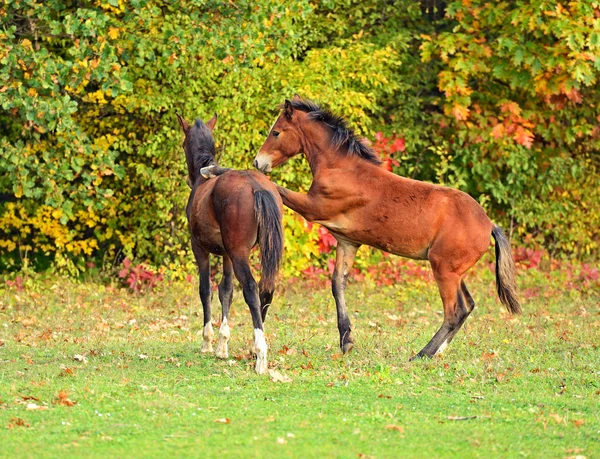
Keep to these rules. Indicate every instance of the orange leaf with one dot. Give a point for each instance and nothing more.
(395, 427)
(223, 420)
(524, 137)
(459, 112)
(498, 131)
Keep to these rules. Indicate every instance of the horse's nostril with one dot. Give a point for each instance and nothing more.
(255, 164)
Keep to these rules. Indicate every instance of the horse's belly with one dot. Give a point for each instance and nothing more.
(388, 236)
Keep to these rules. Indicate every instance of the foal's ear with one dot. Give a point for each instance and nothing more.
(296, 98)
(185, 126)
(288, 109)
(211, 123)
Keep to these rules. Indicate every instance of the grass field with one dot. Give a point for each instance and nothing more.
(90, 370)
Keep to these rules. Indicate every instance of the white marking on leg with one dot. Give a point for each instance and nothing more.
(442, 347)
(207, 336)
(224, 333)
(260, 345)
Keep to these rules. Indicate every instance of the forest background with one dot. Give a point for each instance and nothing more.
(498, 99)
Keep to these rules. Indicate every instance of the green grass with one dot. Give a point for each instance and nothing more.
(528, 386)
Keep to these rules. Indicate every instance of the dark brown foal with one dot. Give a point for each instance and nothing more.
(228, 216)
(362, 203)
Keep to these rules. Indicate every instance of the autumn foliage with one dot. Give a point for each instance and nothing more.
(499, 99)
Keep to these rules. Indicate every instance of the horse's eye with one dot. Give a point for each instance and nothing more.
(275, 133)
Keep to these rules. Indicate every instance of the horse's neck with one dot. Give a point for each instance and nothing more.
(320, 154)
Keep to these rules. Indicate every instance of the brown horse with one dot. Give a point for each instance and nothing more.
(362, 203)
(228, 217)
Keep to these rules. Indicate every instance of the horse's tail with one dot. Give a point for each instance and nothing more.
(505, 272)
(270, 237)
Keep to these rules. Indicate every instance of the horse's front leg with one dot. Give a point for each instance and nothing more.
(213, 171)
(345, 253)
(303, 204)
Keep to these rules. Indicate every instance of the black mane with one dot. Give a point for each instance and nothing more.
(201, 145)
(342, 134)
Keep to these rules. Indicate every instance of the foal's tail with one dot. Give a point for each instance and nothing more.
(270, 237)
(505, 272)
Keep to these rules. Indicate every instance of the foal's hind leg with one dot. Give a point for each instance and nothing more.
(203, 262)
(345, 254)
(458, 304)
(266, 298)
(241, 268)
(225, 296)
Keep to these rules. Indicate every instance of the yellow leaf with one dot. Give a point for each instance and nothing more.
(113, 33)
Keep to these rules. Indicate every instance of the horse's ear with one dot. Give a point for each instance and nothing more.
(288, 109)
(296, 98)
(185, 126)
(211, 123)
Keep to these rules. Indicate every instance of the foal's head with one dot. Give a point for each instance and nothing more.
(199, 146)
(292, 133)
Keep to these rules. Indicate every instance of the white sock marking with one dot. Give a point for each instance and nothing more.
(442, 347)
(224, 333)
(207, 336)
(260, 345)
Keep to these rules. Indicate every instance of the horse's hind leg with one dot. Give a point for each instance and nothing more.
(203, 262)
(266, 298)
(458, 304)
(345, 254)
(241, 268)
(225, 297)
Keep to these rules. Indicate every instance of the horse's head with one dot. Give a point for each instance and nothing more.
(199, 146)
(284, 139)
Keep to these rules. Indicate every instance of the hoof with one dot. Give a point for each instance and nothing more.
(347, 348)
(261, 366)
(206, 348)
(206, 172)
(419, 356)
(222, 351)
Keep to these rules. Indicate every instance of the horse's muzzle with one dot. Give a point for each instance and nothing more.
(262, 163)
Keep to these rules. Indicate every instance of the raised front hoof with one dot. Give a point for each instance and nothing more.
(207, 172)
(347, 347)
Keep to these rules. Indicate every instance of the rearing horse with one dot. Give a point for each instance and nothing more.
(360, 202)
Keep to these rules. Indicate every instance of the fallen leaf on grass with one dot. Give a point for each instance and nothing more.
(556, 417)
(80, 358)
(30, 397)
(395, 427)
(17, 422)
(142, 356)
(65, 371)
(63, 399)
(460, 418)
(34, 407)
(287, 351)
(384, 396)
(578, 422)
(223, 420)
(278, 377)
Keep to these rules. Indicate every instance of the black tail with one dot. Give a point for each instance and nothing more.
(505, 272)
(270, 237)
